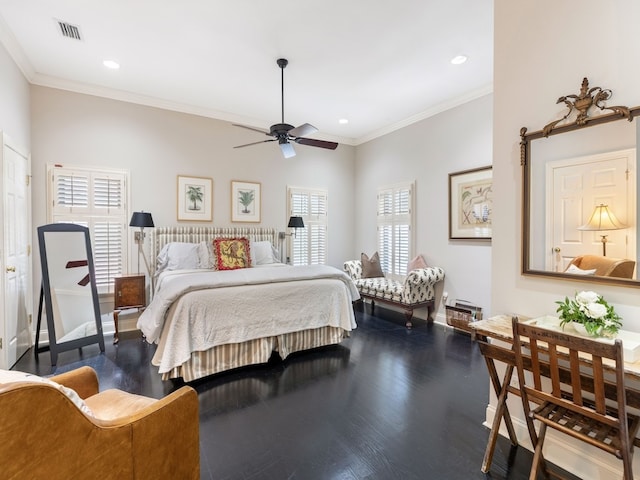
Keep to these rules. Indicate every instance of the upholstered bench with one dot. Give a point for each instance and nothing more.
(417, 289)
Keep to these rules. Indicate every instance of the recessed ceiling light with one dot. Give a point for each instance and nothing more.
(111, 64)
(343, 121)
(459, 59)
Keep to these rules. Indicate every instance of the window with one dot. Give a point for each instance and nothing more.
(309, 245)
(95, 198)
(395, 218)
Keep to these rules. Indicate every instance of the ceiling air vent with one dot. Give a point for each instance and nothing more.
(68, 30)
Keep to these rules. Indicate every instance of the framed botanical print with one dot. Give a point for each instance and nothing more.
(470, 204)
(245, 201)
(195, 199)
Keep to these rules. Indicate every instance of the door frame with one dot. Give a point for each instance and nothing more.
(7, 142)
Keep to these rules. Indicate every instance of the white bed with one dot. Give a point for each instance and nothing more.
(206, 321)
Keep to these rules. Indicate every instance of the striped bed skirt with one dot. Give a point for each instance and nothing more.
(252, 352)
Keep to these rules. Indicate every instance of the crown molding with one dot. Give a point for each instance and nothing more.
(129, 97)
(441, 107)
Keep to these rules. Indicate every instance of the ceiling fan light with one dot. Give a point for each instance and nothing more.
(287, 149)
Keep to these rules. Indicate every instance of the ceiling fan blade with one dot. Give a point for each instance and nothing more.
(254, 143)
(316, 143)
(287, 150)
(251, 128)
(302, 130)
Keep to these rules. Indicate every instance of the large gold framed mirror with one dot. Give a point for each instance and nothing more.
(69, 289)
(579, 187)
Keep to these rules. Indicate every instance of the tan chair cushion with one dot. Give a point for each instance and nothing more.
(114, 404)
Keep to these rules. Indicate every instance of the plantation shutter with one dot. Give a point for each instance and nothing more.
(97, 200)
(72, 190)
(395, 206)
(309, 246)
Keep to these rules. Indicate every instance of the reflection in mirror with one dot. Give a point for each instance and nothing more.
(568, 179)
(69, 289)
(571, 175)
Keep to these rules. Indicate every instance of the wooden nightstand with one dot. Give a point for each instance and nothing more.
(129, 292)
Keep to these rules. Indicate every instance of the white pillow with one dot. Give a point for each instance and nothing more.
(262, 253)
(178, 256)
(13, 376)
(276, 254)
(578, 271)
(206, 258)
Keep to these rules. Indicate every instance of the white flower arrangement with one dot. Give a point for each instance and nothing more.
(591, 310)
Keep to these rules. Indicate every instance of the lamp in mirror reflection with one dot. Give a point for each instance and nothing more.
(602, 219)
(142, 220)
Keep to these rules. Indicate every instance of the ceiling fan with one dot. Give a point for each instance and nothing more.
(284, 133)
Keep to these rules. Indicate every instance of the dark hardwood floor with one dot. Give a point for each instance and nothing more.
(388, 403)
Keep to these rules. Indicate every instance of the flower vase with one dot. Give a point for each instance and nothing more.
(582, 330)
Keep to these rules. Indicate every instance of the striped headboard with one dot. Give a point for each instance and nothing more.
(160, 236)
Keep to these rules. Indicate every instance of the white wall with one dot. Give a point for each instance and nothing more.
(15, 117)
(157, 145)
(529, 45)
(543, 49)
(426, 152)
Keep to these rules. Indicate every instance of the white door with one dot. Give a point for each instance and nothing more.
(16, 255)
(578, 186)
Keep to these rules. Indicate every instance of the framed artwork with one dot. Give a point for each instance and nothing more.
(470, 204)
(195, 199)
(245, 201)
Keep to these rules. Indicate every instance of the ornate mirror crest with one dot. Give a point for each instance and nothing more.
(583, 102)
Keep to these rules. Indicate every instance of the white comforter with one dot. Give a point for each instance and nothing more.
(179, 283)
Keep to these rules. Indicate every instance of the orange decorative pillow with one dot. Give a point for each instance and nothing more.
(232, 253)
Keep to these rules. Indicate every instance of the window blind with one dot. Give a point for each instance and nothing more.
(96, 199)
(394, 219)
(309, 246)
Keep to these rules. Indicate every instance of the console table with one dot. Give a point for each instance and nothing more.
(499, 328)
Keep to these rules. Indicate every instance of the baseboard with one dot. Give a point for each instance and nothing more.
(441, 318)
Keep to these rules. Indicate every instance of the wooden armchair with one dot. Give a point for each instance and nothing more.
(593, 411)
(48, 432)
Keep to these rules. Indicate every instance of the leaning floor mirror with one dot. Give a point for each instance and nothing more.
(68, 289)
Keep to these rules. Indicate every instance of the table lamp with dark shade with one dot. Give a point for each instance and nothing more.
(295, 222)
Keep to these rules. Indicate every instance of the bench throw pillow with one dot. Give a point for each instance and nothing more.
(416, 262)
(371, 266)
